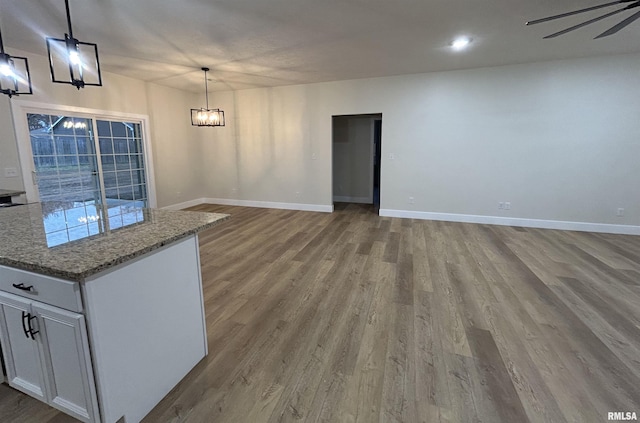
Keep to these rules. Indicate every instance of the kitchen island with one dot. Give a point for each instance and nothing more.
(101, 308)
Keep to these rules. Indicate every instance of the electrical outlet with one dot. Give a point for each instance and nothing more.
(411, 200)
(620, 212)
(392, 156)
(507, 205)
(10, 172)
(501, 205)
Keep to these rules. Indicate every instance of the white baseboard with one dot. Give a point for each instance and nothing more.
(360, 200)
(510, 221)
(447, 217)
(184, 205)
(270, 205)
(248, 203)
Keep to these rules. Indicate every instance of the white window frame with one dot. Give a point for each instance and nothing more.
(20, 109)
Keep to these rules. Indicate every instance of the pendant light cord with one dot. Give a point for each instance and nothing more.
(66, 3)
(206, 87)
(1, 43)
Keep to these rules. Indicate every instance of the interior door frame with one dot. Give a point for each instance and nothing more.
(370, 196)
(20, 109)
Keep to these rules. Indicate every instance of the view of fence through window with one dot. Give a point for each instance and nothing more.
(66, 157)
(122, 160)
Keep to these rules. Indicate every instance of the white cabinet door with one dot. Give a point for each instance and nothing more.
(21, 350)
(67, 362)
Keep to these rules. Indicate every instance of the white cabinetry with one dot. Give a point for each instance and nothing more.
(21, 353)
(67, 362)
(128, 334)
(46, 354)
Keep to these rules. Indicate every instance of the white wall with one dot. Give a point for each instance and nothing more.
(8, 147)
(176, 145)
(220, 155)
(560, 141)
(168, 109)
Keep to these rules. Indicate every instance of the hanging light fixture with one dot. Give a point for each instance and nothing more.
(207, 117)
(78, 58)
(14, 73)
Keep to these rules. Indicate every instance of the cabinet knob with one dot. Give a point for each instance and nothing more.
(22, 287)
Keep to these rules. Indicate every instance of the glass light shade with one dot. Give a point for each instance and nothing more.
(207, 117)
(14, 75)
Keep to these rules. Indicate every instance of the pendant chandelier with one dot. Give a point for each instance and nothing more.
(206, 116)
(78, 59)
(14, 73)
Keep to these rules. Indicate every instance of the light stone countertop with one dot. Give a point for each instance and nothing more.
(74, 241)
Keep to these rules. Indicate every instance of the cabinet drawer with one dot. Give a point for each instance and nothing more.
(48, 290)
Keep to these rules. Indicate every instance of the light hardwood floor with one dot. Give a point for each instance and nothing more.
(350, 317)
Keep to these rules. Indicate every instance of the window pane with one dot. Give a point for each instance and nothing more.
(66, 145)
(139, 192)
(85, 145)
(38, 122)
(137, 161)
(57, 126)
(44, 163)
(122, 163)
(68, 162)
(42, 145)
(112, 193)
(104, 128)
(108, 163)
(106, 147)
(124, 178)
(125, 193)
(81, 127)
(137, 177)
(109, 179)
(85, 160)
(134, 146)
(118, 129)
(120, 146)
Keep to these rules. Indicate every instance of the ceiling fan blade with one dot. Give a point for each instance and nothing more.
(621, 25)
(575, 12)
(580, 25)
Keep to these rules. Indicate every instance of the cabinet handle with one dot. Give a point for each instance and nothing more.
(31, 331)
(26, 321)
(25, 315)
(22, 287)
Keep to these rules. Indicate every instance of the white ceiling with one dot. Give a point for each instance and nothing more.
(261, 43)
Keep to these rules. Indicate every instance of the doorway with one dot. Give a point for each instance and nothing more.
(357, 147)
(84, 159)
(84, 156)
(89, 169)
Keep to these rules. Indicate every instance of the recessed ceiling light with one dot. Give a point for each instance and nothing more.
(460, 43)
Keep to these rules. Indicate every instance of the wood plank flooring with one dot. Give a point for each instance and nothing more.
(351, 317)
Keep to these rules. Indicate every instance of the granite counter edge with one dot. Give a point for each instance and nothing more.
(83, 275)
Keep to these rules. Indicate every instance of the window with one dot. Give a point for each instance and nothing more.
(87, 159)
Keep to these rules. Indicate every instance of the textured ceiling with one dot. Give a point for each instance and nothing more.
(261, 43)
